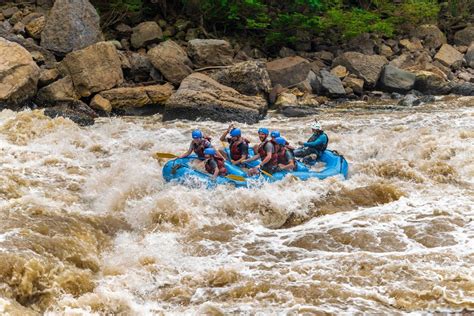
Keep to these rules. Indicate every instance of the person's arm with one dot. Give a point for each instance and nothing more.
(289, 166)
(265, 160)
(190, 150)
(255, 157)
(320, 140)
(216, 172)
(231, 126)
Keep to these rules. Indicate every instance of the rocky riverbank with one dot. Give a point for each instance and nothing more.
(55, 55)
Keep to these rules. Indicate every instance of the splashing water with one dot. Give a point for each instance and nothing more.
(88, 226)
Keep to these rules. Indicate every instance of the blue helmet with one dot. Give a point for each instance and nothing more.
(263, 130)
(235, 132)
(275, 134)
(280, 141)
(209, 151)
(197, 134)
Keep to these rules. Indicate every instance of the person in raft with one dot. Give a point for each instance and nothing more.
(285, 158)
(238, 146)
(315, 146)
(198, 144)
(214, 163)
(265, 152)
(275, 134)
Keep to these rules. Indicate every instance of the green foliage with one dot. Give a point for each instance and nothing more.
(276, 23)
(418, 12)
(355, 22)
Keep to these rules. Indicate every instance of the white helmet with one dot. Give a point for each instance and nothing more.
(316, 125)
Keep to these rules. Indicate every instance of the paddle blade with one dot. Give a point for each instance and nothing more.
(164, 155)
(235, 177)
(266, 173)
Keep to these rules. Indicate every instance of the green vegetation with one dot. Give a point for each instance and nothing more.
(276, 23)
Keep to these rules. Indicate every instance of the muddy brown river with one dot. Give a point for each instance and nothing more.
(89, 227)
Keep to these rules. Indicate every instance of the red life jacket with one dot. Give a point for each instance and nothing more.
(220, 165)
(235, 153)
(282, 156)
(199, 147)
(262, 153)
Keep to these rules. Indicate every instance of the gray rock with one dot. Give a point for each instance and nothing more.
(288, 71)
(448, 55)
(140, 67)
(396, 80)
(71, 25)
(248, 77)
(469, 57)
(146, 33)
(298, 111)
(18, 73)
(330, 85)
(429, 83)
(366, 67)
(75, 110)
(93, 69)
(210, 52)
(464, 37)
(201, 97)
(466, 88)
(171, 60)
(410, 100)
(61, 90)
(431, 36)
(9, 12)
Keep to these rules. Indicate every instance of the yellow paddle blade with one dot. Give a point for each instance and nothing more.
(164, 155)
(235, 177)
(266, 173)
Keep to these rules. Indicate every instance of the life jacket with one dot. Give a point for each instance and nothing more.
(320, 147)
(282, 156)
(220, 165)
(235, 153)
(262, 153)
(199, 147)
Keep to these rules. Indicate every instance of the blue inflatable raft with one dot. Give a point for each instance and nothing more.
(183, 170)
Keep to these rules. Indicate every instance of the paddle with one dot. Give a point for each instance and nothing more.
(164, 155)
(265, 173)
(168, 156)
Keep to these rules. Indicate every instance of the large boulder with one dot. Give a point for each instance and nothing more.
(200, 96)
(75, 110)
(470, 56)
(431, 83)
(171, 60)
(18, 73)
(288, 71)
(330, 85)
(248, 77)
(354, 83)
(71, 25)
(210, 52)
(464, 37)
(146, 33)
(138, 66)
(136, 97)
(431, 35)
(396, 80)
(366, 67)
(465, 88)
(94, 69)
(61, 90)
(448, 55)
